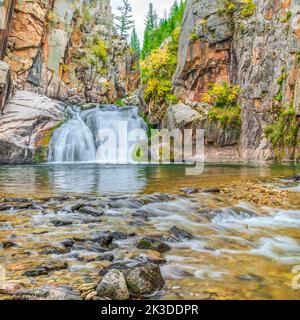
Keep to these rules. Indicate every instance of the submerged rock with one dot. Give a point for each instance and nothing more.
(8, 244)
(189, 190)
(48, 293)
(61, 223)
(91, 210)
(153, 244)
(181, 234)
(44, 269)
(113, 286)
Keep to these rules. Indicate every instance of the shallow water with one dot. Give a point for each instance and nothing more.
(99, 178)
(239, 251)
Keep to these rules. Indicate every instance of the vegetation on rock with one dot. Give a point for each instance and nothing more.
(224, 99)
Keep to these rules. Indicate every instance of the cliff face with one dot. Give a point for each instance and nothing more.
(253, 44)
(68, 50)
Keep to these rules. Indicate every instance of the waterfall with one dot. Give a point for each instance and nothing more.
(96, 135)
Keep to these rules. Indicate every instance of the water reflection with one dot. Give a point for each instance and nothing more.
(96, 178)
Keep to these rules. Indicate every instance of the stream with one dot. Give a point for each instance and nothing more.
(232, 232)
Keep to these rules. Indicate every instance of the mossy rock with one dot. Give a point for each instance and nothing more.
(153, 244)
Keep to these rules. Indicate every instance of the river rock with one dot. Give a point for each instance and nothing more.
(144, 279)
(181, 234)
(46, 268)
(61, 223)
(117, 235)
(113, 286)
(8, 244)
(48, 293)
(148, 243)
(91, 210)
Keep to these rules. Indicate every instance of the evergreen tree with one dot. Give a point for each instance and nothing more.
(150, 25)
(124, 20)
(135, 42)
(156, 33)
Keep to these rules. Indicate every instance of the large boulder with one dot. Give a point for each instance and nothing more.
(26, 126)
(113, 286)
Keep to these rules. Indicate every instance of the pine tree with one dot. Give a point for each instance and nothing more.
(124, 20)
(150, 25)
(135, 42)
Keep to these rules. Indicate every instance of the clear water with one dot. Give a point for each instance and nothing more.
(241, 251)
(100, 178)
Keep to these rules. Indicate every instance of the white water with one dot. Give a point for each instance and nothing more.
(101, 134)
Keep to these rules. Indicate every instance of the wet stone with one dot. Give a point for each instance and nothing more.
(129, 203)
(113, 286)
(61, 223)
(212, 190)
(8, 244)
(6, 207)
(117, 235)
(53, 250)
(156, 197)
(181, 234)
(48, 293)
(91, 211)
(189, 190)
(148, 243)
(68, 243)
(249, 277)
(141, 214)
(46, 268)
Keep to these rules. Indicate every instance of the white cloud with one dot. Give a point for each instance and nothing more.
(140, 8)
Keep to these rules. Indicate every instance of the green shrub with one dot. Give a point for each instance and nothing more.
(283, 131)
(224, 99)
(248, 9)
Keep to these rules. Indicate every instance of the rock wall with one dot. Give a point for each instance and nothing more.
(68, 50)
(258, 49)
(26, 126)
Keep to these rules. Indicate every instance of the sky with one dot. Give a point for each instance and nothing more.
(140, 8)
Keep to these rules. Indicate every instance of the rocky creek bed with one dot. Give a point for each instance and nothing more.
(206, 243)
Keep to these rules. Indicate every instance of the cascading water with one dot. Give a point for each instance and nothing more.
(98, 134)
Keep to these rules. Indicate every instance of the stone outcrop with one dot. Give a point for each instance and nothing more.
(5, 84)
(26, 127)
(69, 50)
(256, 49)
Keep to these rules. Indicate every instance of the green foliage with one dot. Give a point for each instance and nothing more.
(86, 13)
(124, 21)
(287, 17)
(283, 131)
(156, 33)
(120, 103)
(223, 95)
(135, 42)
(157, 71)
(280, 81)
(298, 56)
(99, 49)
(227, 117)
(224, 99)
(248, 9)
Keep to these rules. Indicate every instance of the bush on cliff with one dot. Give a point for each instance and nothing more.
(224, 99)
(157, 71)
(283, 131)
